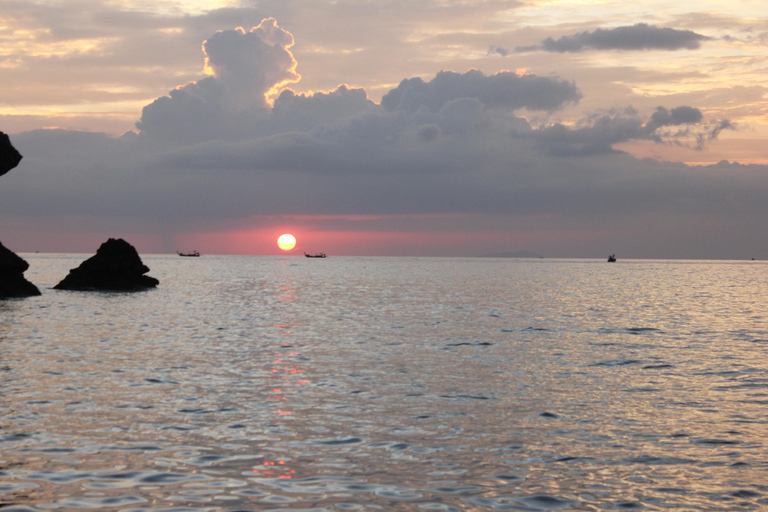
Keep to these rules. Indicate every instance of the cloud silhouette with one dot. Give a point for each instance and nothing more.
(599, 134)
(641, 36)
(498, 50)
(246, 68)
(251, 65)
(502, 90)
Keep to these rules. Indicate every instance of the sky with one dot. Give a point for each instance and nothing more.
(562, 128)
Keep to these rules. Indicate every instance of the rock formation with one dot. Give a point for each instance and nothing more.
(12, 282)
(9, 157)
(12, 267)
(116, 266)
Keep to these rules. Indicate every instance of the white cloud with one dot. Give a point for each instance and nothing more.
(246, 68)
(251, 65)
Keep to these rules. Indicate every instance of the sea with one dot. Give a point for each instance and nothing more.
(266, 383)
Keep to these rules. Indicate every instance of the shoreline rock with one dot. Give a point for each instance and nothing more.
(116, 266)
(13, 284)
(9, 156)
(12, 266)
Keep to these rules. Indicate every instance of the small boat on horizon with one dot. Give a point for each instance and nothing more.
(316, 255)
(193, 254)
(612, 258)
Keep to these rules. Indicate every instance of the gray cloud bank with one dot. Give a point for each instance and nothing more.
(216, 149)
(641, 36)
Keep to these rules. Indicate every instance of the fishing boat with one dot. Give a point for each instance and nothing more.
(316, 255)
(193, 254)
(612, 258)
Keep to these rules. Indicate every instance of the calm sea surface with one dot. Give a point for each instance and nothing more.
(395, 384)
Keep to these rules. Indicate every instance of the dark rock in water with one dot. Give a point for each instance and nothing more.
(116, 266)
(12, 281)
(9, 157)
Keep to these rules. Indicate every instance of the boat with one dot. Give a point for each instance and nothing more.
(316, 255)
(612, 258)
(193, 254)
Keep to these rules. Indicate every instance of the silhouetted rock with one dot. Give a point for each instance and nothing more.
(9, 157)
(12, 266)
(12, 281)
(115, 266)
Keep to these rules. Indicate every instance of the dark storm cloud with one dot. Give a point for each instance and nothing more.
(636, 37)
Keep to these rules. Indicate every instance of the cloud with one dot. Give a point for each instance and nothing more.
(502, 90)
(599, 134)
(214, 152)
(692, 119)
(498, 50)
(251, 65)
(596, 139)
(299, 112)
(674, 117)
(712, 133)
(246, 68)
(636, 37)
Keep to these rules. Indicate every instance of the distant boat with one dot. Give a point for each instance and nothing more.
(612, 258)
(193, 254)
(317, 255)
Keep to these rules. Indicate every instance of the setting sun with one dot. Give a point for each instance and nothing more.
(286, 242)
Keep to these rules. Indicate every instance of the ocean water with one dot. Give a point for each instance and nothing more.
(394, 384)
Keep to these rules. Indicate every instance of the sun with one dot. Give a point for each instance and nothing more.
(286, 242)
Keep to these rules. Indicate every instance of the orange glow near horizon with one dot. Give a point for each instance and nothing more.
(378, 235)
(365, 242)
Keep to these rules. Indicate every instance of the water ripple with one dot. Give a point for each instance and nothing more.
(398, 384)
